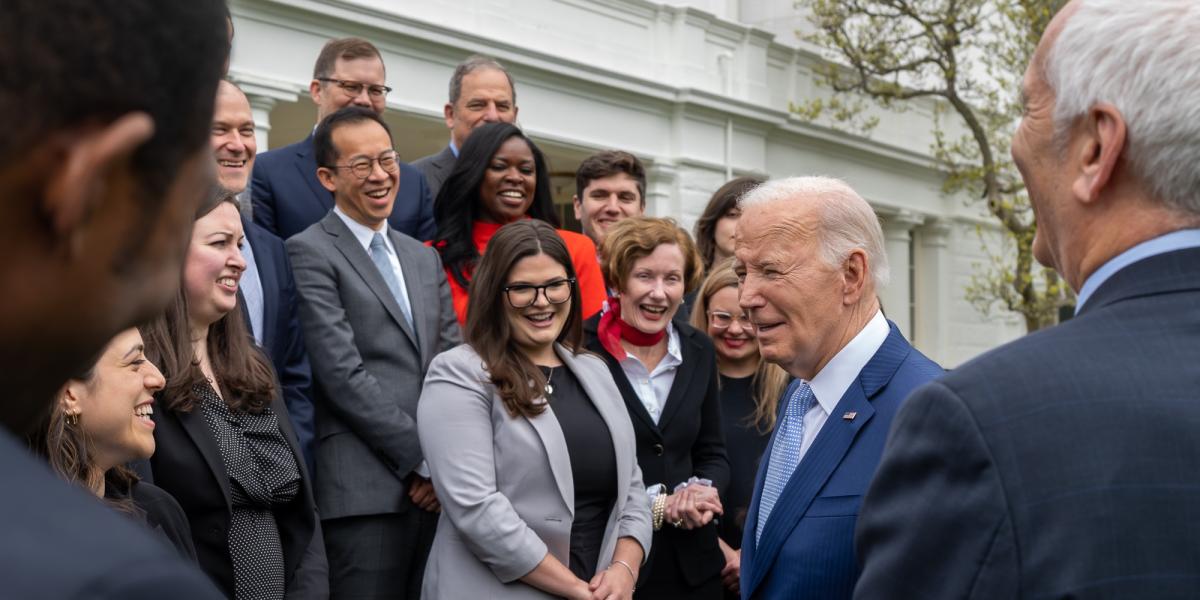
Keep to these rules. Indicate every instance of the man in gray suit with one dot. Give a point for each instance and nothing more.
(481, 91)
(375, 308)
(1064, 464)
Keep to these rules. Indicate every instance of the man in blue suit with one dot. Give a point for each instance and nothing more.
(810, 257)
(267, 291)
(1064, 464)
(286, 194)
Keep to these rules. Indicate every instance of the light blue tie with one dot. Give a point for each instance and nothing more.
(785, 453)
(252, 292)
(380, 258)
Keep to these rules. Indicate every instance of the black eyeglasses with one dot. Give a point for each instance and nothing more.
(719, 319)
(354, 88)
(362, 167)
(522, 294)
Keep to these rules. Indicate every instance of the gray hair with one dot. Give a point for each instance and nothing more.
(1144, 58)
(846, 223)
(475, 63)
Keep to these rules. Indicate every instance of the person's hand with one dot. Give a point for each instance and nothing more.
(693, 506)
(421, 492)
(731, 575)
(613, 583)
(580, 591)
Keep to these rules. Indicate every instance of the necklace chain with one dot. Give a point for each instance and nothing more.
(549, 386)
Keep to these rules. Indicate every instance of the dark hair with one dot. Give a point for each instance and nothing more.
(488, 330)
(75, 64)
(346, 49)
(458, 203)
(324, 151)
(474, 63)
(244, 375)
(609, 163)
(723, 200)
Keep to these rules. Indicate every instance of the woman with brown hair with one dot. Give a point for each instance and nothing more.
(667, 375)
(750, 390)
(528, 445)
(100, 423)
(226, 448)
(714, 228)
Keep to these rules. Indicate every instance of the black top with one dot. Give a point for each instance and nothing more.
(161, 514)
(745, 446)
(593, 467)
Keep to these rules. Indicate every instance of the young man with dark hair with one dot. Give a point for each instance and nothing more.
(610, 186)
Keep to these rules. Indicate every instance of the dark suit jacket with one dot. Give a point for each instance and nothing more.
(368, 364)
(436, 167)
(188, 465)
(282, 338)
(807, 545)
(288, 197)
(1061, 465)
(687, 440)
(163, 516)
(57, 541)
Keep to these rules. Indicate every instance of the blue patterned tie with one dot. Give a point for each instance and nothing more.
(785, 453)
(380, 258)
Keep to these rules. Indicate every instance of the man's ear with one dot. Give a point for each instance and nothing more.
(578, 207)
(325, 176)
(1103, 133)
(854, 276)
(314, 91)
(448, 113)
(90, 157)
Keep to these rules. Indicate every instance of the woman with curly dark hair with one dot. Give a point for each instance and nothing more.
(501, 177)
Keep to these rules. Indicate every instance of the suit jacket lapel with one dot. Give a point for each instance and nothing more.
(197, 429)
(547, 427)
(270, 298)
(306, 165)
(683, 376)
(413, 286)
(346, 243)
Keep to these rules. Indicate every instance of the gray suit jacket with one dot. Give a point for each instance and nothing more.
(366, 362)
(436, 167)
(505, 483)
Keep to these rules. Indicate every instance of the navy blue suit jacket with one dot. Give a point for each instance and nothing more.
(58, 541)
(1065, 464)
(282, 338)
(807, 546)
(288, 197)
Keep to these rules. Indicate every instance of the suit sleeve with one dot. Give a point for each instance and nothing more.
(262, 197)
(295, 375)
(311, 578)
(449, 331)
(455, 417)
(426, 225)
(935, 521)
(709, 459)
(357, 399)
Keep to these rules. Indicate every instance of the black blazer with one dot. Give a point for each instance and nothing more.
(1061, 465)
(187, 464)
(686, 441)
(164, 517)
(283, 340)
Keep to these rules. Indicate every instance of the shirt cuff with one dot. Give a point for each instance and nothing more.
(422, 470)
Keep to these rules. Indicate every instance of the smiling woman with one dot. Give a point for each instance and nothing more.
(501, 177)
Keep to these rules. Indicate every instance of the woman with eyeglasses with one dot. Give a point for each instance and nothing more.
(527, 442)
(667, 374)
(501, 177)
(750, 390)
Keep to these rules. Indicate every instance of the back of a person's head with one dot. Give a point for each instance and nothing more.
(69, 64)
(1143, 58)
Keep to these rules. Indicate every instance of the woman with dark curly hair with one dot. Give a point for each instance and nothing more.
(500, 177)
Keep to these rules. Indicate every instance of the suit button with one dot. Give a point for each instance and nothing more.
(658, 449)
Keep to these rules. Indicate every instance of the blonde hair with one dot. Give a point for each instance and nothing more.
(636, 238)
(769, 379)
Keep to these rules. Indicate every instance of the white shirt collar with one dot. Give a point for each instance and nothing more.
(362, 233)
(835, 378)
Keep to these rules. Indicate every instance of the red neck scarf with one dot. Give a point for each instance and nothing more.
(612, 329)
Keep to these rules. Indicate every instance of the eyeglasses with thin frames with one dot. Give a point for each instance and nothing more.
(719, 319)
(521, 295)
(354, 88)
(362, 167)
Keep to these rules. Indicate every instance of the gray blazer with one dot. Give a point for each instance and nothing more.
(505, 483)
(367, 363)
(436, 167)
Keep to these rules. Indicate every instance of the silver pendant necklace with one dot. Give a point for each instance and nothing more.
(549, 386)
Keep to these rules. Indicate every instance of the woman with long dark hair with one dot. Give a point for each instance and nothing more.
(100, 422)
(714, 228)
(226, 448)
(530, 449)
(500, 177)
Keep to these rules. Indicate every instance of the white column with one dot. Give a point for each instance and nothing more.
(933, 293)
(897, 297)
(263, 93)
(261, 107)
(662, 189)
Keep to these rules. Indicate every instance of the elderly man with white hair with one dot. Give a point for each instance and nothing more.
(1065, 464)
(810, 258)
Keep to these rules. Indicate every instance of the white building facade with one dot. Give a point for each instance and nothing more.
(699, 90)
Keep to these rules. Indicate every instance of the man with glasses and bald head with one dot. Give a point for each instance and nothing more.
(285, 191)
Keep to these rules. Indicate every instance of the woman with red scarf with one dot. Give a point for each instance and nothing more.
(667, 374)
(500, 177)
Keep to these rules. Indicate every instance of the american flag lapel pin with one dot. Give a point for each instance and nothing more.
(849, 416)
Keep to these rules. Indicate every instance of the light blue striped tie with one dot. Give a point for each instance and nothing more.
(785, 453)
(380, 258)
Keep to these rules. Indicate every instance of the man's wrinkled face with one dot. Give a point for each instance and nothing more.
(486, 97)
(359, 82)
(232, 138)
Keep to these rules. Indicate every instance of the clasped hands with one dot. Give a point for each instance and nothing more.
(421, 492)
(614, 583)
(693, 506)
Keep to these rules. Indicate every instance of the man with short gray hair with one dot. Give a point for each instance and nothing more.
(810, 259)
(481, 91)
(1063, 465)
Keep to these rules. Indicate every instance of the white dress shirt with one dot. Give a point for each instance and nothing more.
(836, 377)
(652, 387)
